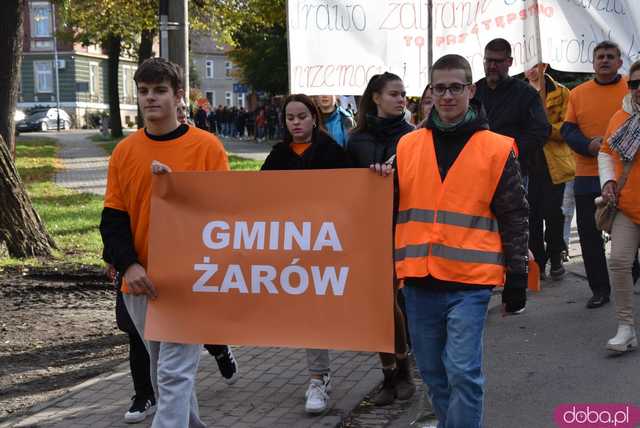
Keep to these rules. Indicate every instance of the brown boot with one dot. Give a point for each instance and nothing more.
(404, 381)
(387, 392)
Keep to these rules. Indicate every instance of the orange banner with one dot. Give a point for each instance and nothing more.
(272, 258)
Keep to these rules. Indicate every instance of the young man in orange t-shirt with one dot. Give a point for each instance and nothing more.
(163, 145)
(591, 106)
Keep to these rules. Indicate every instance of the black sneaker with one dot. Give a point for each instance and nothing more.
(141, 407)
(227, 365)
(557, 272)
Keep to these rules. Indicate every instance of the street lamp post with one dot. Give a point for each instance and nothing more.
(174, 35)
(55, 64)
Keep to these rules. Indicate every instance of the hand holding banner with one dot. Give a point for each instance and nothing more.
(286, 258)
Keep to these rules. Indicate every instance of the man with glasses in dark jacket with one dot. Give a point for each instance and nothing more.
(512, 106)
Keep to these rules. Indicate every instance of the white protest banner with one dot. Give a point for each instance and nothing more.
(337, 45)
(574, 27)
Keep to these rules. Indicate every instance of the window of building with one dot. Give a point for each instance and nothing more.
(209, 69)
(43, 76)
(125, 82)
(211, 97)
(41, 25)
(228, 99)
(227, 68)
(128, 85)
(241, 101)
(93, 78)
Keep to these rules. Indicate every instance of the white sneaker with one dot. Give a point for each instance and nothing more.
(326, 380)
(140, 409)
(318, 398)
(624, 340)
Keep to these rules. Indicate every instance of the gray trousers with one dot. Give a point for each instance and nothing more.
(318, 361)
(173, 373)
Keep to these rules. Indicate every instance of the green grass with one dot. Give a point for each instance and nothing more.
(71, 218)
(237, 163)
(108, 147)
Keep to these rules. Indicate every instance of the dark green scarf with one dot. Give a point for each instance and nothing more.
(469, 116)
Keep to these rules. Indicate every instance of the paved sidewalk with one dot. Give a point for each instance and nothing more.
(269, 393)
(84, 163)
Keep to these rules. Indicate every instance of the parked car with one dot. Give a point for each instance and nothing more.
(44, 120)
(17, 117)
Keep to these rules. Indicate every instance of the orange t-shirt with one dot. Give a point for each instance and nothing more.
(129, 176)
(590, 107)
(299, 148)
(629, 198)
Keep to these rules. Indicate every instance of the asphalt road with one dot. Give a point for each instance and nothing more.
(554, 353)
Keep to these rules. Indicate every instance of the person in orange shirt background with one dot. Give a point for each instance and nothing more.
(591, 106)
(618, 153)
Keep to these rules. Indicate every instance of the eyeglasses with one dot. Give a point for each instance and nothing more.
(633, 84)
(454, 89)
(496, 61)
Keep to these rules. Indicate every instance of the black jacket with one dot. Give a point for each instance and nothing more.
(509, 203)
(515, 109)
(324, 153)
(378, 143)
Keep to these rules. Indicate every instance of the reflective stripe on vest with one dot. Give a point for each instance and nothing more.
(445, 252)
(448, 217)
(446, 228)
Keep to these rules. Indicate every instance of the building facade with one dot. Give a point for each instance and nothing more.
(82, 72)
(217, 78)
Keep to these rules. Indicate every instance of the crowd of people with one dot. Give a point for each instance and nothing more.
(260, 124)
(534, 149)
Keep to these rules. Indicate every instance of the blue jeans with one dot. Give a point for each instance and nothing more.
(446, 332)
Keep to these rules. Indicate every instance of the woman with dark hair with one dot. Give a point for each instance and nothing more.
(381, 123)
(426, 105)
(306, 145)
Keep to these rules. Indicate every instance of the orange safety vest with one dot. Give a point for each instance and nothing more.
(447, 229)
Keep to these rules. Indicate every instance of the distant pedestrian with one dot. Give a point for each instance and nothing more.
(201, 118)
(426, 105)
(554, 166)
(337, 121)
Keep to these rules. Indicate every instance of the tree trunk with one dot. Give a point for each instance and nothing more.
(11, 53)
(21, 229)
(145, 51)
(114, 46)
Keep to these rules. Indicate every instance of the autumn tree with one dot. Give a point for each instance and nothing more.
(22, 232)
(256, 32)
(117, 25)
(11, 49)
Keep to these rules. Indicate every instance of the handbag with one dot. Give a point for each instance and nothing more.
(606, 211)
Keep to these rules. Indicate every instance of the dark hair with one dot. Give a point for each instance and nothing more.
(634, 67)
(366, 105)
(453, 62)
(607, 44)
(499, 45)
(308, 102)
(157, 70)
